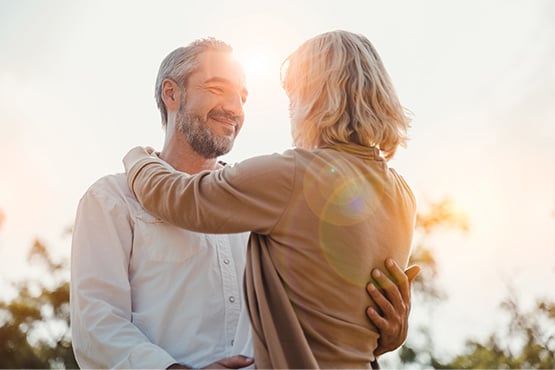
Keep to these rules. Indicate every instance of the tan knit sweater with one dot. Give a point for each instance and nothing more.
(320, 221)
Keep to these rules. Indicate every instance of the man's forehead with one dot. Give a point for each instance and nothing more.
(219, 64)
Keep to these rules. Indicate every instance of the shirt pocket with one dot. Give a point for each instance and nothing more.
(157, 240)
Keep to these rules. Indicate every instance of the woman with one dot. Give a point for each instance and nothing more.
(321, 215)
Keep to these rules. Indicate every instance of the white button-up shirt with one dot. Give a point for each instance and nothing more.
(145, 294)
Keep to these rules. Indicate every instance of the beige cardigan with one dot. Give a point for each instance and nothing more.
(320, 221)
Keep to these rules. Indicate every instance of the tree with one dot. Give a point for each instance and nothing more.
(529, 340)
(34, 326)
(527, 343)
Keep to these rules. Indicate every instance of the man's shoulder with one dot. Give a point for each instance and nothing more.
(112, 186)
(111, 182)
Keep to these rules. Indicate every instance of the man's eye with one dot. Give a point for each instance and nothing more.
(216, 90)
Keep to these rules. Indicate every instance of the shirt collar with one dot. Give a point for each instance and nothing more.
(170, 167)
(356, 149)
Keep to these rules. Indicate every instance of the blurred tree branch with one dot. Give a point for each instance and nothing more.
(34, 326)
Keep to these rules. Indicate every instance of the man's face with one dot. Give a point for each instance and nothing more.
(211, 111)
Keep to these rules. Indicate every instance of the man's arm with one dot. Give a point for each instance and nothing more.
(391, 293)
(103, 334)
(233, 362)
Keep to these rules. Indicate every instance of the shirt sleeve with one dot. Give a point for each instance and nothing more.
(249, 196)
(103, 333)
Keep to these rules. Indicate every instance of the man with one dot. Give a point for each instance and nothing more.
(145, 294)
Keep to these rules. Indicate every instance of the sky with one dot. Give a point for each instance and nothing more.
(76, 93)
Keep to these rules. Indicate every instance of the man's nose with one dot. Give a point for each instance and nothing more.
(233, 104)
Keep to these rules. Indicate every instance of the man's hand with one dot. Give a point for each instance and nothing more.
(233, 362)
(391, 294)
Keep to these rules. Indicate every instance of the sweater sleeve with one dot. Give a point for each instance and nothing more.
(249, 196)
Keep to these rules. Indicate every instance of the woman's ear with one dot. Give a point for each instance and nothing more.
(171, 95)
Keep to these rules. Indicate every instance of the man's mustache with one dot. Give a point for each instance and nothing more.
(215, 114)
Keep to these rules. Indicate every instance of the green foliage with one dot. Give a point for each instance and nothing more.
(527, 343)
(34, 331)
(529, 340)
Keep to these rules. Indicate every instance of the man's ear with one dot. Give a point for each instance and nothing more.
(171, 95)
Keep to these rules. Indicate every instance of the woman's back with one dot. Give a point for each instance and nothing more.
(306, 280)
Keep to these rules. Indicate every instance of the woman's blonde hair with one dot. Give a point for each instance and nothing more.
(340, 92)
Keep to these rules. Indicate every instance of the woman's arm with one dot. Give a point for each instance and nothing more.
(249, 196)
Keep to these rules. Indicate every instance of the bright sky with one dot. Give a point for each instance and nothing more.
(76, 92)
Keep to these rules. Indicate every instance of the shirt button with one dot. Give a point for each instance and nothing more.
(232, 299)
(226, 261)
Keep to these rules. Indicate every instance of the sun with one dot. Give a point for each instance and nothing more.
(254, 64)
(260, 64)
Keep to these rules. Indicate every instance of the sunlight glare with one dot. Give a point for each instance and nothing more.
(260, 65)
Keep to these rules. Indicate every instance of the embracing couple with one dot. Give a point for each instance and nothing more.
(289, 260)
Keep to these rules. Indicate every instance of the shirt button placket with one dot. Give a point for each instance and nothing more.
(230, 290)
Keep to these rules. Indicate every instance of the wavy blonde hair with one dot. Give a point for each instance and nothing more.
(340, 92)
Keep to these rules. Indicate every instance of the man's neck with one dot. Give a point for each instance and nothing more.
(183, 158)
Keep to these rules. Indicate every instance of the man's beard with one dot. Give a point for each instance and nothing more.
(198, 135)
